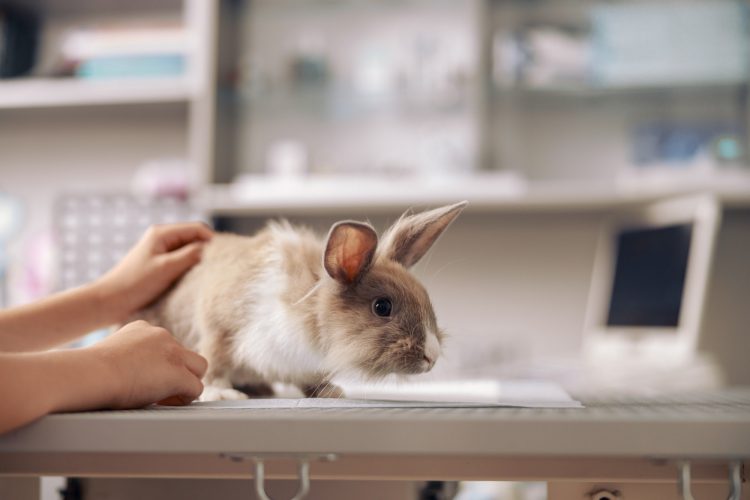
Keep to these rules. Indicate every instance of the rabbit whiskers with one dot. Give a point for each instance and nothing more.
(309, 293)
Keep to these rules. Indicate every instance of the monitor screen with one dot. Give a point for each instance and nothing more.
(650, 269)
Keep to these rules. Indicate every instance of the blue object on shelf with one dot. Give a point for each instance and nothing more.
(135, 66)
(679, 144)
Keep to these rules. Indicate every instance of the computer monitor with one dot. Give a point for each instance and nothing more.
(649, 281)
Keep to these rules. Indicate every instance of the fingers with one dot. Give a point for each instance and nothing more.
(174, 401)
(190, 373)
(179, 261)
(195, 389)
(191, 390)
(196, 363)
(149, 364)
(169, 237)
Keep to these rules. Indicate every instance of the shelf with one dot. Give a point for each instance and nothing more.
(335, 102)
(584, 91)
(68, 7)
(261, 196)
(40, 93)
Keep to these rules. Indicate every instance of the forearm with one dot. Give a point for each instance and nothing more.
(163, 255)
(55, 320)
(34, 384)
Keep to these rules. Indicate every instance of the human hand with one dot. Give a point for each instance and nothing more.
(135, 366)
(163, 254)
(147, 365)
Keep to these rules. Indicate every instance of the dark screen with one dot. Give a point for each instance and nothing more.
(649, 276)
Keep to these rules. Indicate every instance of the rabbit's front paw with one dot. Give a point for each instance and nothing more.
(212, 393)
(257, 390)
(323, 390)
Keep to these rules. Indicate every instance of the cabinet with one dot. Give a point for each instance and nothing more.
(514, 105)
(626, 90)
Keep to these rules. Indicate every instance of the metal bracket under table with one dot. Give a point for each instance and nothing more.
(303, 469)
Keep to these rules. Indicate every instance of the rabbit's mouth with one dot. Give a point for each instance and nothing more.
(428, 355)
(427, 363)
(413, 367)
(409, 363)
(414, 363)
(405, 356)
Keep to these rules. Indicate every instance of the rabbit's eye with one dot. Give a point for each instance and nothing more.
(382, 307)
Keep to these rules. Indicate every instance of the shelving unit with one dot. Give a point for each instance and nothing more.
(203, 91)
(562, 180)
(214, 88)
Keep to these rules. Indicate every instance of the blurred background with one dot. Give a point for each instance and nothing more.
(548, 116)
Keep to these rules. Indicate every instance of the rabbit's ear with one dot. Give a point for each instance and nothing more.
(412, 235)
(349, 251)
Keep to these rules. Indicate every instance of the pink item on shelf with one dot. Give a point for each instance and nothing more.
(40, 271)
(162, 178)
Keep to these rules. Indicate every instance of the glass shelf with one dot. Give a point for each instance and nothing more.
(340, 103)
(583, 91)
(500, 192)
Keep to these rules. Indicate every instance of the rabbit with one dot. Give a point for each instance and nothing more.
(285, 306)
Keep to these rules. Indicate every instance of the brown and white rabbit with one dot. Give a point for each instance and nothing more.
(285, 306)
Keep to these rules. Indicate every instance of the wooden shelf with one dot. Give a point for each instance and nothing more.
(67, 92)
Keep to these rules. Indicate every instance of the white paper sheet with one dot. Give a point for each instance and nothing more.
(532, 394)
(453, 394)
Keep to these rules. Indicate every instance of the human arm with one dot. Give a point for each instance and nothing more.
(137, 365)
(161, 256)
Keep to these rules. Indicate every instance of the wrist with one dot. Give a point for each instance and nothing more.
(109, 306)
(87, 381)
(108, 383)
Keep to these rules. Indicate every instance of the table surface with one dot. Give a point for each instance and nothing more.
(702, 425)
(628, 442)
